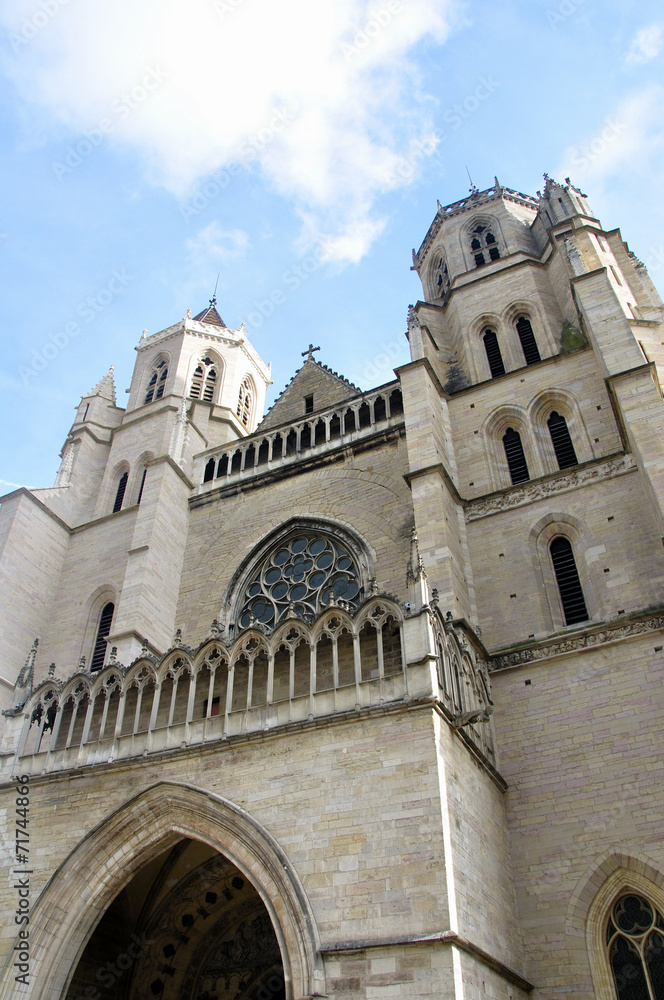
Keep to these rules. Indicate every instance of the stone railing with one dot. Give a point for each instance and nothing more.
(309, 436)
(344, 662)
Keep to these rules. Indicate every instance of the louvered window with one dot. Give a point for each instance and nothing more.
(516, 459)
(119, 496)
(244, 402)
(493, 354)
(204, 380)
(210, 384)
(483, 240)
(528, 342)
(196, 383)
(151, 384)
(161, 384)
(562, 442)
(140, 492)
(157, 382)
(99, 652)
(569, 584)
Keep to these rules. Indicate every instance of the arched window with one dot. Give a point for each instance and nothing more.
(567, 578)
(119, 496)
(635, 949)
(140, 489)
(208, 474)
(528, 343)
(99, 651)
(205, 379)
(516, 460)
(303, 574)
(441, 277)
(483, 245)
(244, 402)
(494, 357)
(562, 442)
(157, 382)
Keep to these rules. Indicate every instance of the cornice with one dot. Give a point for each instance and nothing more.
(472, 203)
(580, 641)
(24, 491)
(573, 479)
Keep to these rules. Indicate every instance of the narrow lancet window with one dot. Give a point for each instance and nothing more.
(244, 402)
(516, 460)
(99, 652)
(569, 584)
(157, 382)
(531, 352)
(140, 491)
(119, 496)
(494, 357)
(562, 442)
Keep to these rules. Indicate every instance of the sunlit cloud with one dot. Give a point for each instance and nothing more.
(317, 96)
(646, 45)
(214, 245)
(630, 140)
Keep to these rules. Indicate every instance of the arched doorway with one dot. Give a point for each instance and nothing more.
(189, 926)
(129, 842)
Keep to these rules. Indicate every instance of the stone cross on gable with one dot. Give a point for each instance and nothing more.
(310, 352)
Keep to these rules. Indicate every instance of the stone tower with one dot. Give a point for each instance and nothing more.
(363, 697)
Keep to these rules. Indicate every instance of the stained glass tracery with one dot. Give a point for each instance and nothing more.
(306, 572)
(635, 939)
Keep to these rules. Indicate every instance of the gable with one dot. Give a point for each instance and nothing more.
(312, 379)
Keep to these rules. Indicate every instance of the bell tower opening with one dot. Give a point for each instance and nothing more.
(188, 925)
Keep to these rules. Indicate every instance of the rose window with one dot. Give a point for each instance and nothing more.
(307, 572)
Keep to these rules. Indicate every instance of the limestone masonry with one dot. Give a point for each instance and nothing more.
(362, 697)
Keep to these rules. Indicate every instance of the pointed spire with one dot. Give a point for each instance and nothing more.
(210, 315)
(416, 577)
(25, 679)
(106, 387)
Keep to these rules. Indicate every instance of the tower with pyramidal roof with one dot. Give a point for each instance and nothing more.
(361, 697)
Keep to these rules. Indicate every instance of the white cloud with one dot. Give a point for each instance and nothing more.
(645, 46)
(214, 245)
(629, 141)
(316, 94)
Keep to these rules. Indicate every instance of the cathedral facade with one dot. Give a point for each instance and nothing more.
(362, 697)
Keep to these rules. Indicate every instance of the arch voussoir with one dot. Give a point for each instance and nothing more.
(79, 892)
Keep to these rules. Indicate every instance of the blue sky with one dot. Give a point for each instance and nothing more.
(295, 148)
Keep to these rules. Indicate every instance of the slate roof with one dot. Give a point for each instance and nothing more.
(211, 316)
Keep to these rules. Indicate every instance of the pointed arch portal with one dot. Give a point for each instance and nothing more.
(179, 893)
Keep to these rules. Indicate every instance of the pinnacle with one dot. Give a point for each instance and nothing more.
(105, 387)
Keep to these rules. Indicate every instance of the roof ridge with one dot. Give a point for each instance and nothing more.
(320, 364)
